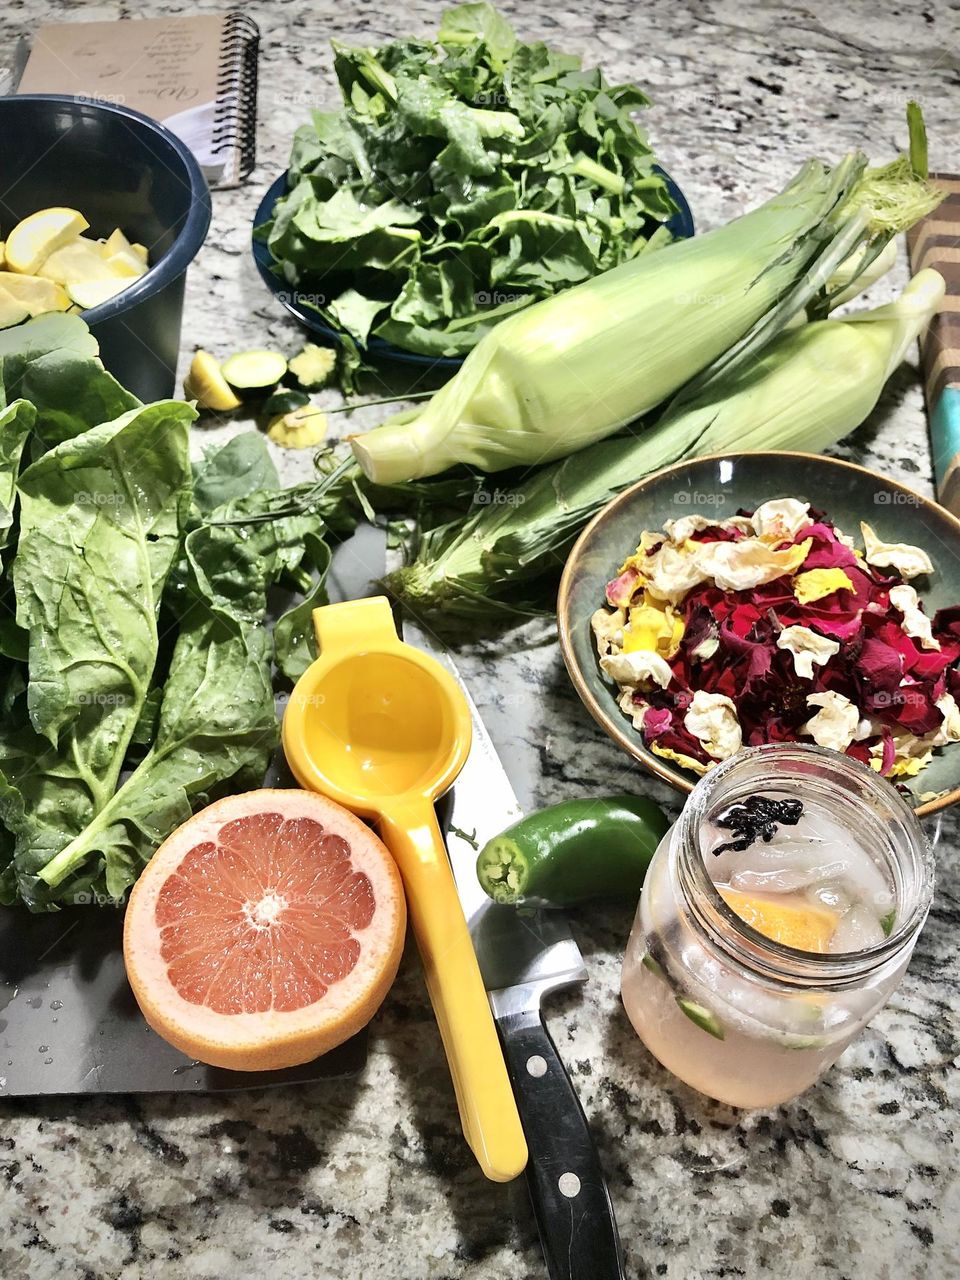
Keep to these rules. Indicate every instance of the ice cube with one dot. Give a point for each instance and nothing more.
(829, 894)
(858, 929)
(818, 851)
(802, 870)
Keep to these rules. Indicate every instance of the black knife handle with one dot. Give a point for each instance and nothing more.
(574, 1214)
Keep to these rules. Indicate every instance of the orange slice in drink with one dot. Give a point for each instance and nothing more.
(793, 923)
(265, 931)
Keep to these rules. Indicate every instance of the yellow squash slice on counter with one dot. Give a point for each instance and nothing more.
(302, 428)
(33, 239)
(207, 385)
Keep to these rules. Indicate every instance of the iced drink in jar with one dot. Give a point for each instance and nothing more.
(777, 916)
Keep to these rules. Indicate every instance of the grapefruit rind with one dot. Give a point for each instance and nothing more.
(273, 1039)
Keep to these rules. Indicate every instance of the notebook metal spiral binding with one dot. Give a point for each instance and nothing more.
(235, 120)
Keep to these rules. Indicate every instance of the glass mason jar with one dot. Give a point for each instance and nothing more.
(742, 1018)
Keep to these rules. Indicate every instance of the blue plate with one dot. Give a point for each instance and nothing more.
(681, 225)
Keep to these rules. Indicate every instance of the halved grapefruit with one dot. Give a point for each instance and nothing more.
(265, 931)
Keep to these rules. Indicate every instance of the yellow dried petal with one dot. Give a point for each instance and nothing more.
(678, 757)
(817, 583)
(653, 626)
(908, 768)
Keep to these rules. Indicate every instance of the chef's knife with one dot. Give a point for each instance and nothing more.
(523, 957)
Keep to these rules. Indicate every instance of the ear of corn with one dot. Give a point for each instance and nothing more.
(808, 389)
(576, 367)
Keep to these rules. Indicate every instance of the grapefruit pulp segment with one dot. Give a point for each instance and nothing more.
(265, 930)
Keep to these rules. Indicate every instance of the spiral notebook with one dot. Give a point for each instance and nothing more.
(196, 74)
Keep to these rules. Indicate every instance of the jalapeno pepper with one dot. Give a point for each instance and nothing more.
(576, 850)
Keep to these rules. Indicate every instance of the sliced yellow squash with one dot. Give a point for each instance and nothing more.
(116, 242)
(32, 241)
(80, 260)
(141, 251)
(2, 258)
(125, 263)
(207, 385)
(302, 428)
(313, 366)
(34, 292)
(90, 293)
(12, 310)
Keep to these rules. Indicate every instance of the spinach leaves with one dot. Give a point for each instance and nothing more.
(136, 677)
(463, 179)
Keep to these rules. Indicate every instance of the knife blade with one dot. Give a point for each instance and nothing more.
(523, 957)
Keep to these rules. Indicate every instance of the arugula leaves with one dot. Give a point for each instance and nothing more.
(463, 178)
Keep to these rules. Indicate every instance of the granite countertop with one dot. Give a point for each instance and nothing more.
(369, 1177)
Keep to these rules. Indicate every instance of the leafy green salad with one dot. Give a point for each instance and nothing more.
(463, 179)
(136, 655)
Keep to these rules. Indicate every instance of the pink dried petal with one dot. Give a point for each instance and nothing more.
(656, 720)
(620, 590)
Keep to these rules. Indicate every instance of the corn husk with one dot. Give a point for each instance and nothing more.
(809, 389)
(577, 367)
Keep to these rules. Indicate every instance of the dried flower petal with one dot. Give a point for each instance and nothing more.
(908, 561)
(814, 584)
(638, 668)
(713, 719)
(807, 648)
(781, 519)
(835, 724)
(620, 590)
(915, 622)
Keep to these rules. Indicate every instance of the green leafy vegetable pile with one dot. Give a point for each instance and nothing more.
(136, 658)
(463, 179)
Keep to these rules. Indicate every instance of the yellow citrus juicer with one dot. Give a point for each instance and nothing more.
(383, 729)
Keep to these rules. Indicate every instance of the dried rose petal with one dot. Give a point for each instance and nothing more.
(620, 590)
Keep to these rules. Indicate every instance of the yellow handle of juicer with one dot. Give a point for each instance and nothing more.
(488, 1111)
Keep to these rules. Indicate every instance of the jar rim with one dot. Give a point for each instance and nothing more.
(755, 950)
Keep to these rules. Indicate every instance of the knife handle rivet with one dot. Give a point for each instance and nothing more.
(537, 1067)
(569, 1185)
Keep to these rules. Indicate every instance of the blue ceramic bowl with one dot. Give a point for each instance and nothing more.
(681, 225)
(119, 169)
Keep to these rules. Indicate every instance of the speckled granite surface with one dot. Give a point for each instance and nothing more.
(368, 1178)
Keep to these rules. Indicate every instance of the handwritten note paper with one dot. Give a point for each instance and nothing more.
(160, 66)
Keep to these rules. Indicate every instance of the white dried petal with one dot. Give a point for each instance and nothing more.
(607, 627)
(712, 719)
(781, 519)
(949, 731)
(836, 722)
(640, 667)
(908, 561)
(915, 622)
(807, 648)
